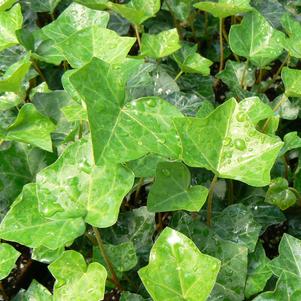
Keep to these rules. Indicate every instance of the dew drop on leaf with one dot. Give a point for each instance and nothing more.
(151, 103)
(166, 172)
(240, 144)
(241, 116)
(227, 141)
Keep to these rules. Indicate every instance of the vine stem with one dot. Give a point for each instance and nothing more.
(37, 68)
(137, 35)
(243, 81)
(179, 75)
(221, 44)
(210, 198)
(278, 105)
(106, 258)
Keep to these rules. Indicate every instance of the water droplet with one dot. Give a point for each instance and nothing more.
(227, 141)
(252, 133)
(241, 116)
(140, 142)
(240, 144)
(151, 103)
(166, 172)
(250, 149)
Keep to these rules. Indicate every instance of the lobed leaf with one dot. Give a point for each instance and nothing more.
(8, 257)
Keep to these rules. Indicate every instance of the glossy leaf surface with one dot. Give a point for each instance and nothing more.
(8, 257)
(177, 270)
(72, 275)
(291, 79)
(172, 190)
(225, 141)
(256, 40)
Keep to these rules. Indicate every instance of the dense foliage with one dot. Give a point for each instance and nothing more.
(149, 149)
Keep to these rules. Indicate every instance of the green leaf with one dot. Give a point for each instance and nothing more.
(6, 4)
(136, 11)
(231, 278)
(287, 289)
(136, 226)
(72, 275)
(291, 79)
(225, 141)
(289, 259)
(236, 223)
(31, 127)
(161, 44)
(12, 79)
(36, 292)
(180, 9)
(127, 296)
(258, 272)
(293, 29)
(94, 4)
(291, 141)
(9, 100)
(44, 5)
(128, 131)
(172, 190)
(190, 61)
(23, 219)
(10, 22)
(177, 270)
(256, 109)
(74, 18)
(114, 50)
(224, 8)
(234, 73)
(70, 188)
(75, 112)
(46, 255)
(288, 110)
(279, 194)
(8, 257)
(262, 46)
(122, 256)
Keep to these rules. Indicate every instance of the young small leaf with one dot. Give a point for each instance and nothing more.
(161, 44)
(72, 275)
(279, 194)
(178, 270)
(8, 257)
(255, 39)
(172, 190)
(291, 79)
(136, 11)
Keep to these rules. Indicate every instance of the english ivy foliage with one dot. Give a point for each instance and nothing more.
(151, 149)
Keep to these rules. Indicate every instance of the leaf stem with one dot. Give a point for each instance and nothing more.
(139, 186)
(37, 68)
(209, 200)
(137, 35)
(179, 75)
(221, 45)
(106, 258)
(243, 82)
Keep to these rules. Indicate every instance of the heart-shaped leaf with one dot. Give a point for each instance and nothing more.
(190, 61)
(172, 190)
(8, 257)
(161, 44)
(24, 217)
(128, 131)
(225, 141)
(36, 292)
(291, 79)
(10, 22)
(177, 269)
(72, 275)
(136, 11)
(279, 194)
(31, 127)
(69, 188)
(255, 39)
(224, 8)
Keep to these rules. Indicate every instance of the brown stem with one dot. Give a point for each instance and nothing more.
(209, 200)
(37, 68)
(221, 45)
(139, 186)
(106, 259)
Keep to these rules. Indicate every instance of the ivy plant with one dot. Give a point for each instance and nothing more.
(150, 150)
